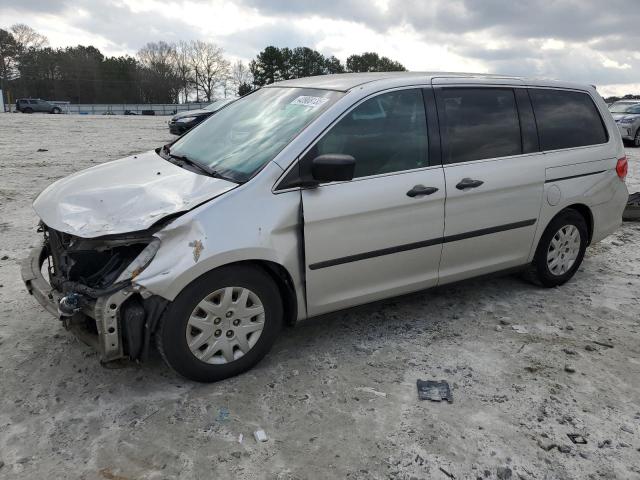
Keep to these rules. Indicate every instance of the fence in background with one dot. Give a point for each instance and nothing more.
(121, 108)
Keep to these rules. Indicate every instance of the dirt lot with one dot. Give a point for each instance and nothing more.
(337, 396)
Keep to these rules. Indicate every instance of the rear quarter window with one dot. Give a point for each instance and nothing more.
(566, 119)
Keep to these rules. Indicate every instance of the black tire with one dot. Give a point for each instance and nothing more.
(636, 139)
(171, 335)
(56, 110)
(539, 271)
(27, 110)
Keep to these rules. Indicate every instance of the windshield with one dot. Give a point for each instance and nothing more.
(212, 107)
(241, 138)
(625, 107)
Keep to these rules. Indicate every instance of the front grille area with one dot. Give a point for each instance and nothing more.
(95, 263)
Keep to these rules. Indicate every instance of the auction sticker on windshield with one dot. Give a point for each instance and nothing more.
(308, 101)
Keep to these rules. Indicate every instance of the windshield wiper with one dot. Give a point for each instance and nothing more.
(203, 168)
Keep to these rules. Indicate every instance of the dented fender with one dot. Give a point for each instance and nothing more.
(248, 223)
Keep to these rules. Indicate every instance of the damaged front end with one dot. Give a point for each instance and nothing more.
(88, 284)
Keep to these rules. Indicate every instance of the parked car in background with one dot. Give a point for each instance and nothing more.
(317, 194)
(627, 116)
(183, 121)
(32, 105)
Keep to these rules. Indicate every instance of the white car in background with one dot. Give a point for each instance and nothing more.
(626, 114)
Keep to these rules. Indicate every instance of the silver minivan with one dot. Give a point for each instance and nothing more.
(313, 195)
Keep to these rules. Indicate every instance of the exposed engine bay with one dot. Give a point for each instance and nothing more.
(90, 283)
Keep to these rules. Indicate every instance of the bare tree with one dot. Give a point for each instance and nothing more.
(240, 75)
(26, 37)
(161, 83)
(183, 66)
(210, 68)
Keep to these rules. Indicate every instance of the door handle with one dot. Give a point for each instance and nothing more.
(420, 190)
(468, 183)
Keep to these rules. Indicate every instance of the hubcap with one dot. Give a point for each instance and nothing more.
(563, 250)
(225, 325)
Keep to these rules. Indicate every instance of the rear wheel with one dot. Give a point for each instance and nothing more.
(27, 110)
(222, 324)
(561, 250)
(636, 139)
(56, 110)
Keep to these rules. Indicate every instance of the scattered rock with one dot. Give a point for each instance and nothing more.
(590, 348)
(568, 351)
(504, 322)
(569, 368)
(42, 150)
(623, 445)
(604, 443)
(519, 328)
(504, 473)
(5, 257)
(564, 448)
(1, 464)
(546, 444)
(498, 328)
(236, 454)
(626, 428)
(569, 327)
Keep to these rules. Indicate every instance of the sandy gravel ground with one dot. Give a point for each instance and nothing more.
(337, 396)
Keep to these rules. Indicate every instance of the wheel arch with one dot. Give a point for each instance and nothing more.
(586, 213)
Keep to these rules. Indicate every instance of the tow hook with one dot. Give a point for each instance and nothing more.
(69, 304)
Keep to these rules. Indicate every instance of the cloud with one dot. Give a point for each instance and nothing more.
(579, 40)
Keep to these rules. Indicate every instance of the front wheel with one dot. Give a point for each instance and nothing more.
(561, 250)
(56, 110)
(222, 324)
(636, 139)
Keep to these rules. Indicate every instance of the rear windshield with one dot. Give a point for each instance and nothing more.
(566, 119)
(244, 136)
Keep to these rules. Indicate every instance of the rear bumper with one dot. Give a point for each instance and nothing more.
(103, 311)
(626, 131)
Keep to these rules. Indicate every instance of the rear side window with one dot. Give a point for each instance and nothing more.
(478, 123)
(566, 119)
(387, 133)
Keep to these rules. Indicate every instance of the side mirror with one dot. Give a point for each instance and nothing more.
(333, 167)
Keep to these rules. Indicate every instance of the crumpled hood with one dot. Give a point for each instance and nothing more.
(123, 196)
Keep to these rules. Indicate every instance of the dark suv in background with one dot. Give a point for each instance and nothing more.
(183, 121)
(31, 105)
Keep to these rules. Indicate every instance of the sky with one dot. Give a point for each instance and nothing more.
(587, 41)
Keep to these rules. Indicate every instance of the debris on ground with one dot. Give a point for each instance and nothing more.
(260, 436)
(603, 344)
(632, 210)
(577, 439)
(570, 368)
(42, 150)
(520, 328)
(371, 390)
(448, 474)
(504, 473)
(240, 437)
(434, 391)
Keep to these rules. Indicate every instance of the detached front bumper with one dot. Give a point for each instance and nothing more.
(106, 311)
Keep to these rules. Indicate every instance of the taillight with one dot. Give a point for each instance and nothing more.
(622, 167)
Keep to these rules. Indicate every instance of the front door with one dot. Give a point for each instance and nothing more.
(380, 234)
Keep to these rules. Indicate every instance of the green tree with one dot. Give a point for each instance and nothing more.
(372, 62)
(244, 89)
(269, 66)
(333, 65)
